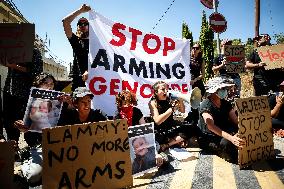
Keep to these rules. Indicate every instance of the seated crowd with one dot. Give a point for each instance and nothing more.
(212, 130)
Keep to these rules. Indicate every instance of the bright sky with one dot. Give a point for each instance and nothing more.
(144, 14)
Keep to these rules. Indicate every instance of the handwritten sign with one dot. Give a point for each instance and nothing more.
(94, 155)
(16, 42)
(235, 56)
(256, 129)
(273, 56)
(6, 164)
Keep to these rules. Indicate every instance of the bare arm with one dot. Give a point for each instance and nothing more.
(218, 67)
(251, 65)
(277, 107)
(215, 129)
(158, 118)
(142, 121)
(69, 18)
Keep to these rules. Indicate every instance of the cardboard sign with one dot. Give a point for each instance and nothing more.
(142, 148)
(235, 56)
(273, 56)
(256, 129)
(94, 155)
(16, 43)
(6, 164)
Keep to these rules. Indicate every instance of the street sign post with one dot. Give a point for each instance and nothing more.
(217, 22)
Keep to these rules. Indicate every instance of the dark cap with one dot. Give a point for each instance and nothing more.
(82, 20)
(81, 92)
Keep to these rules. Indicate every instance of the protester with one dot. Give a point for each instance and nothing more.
(82, 112)
(197, 71)
(17, 90)
(126, 102)
(197, 68)
(218, 120)
(161, 110)
(31, 167)
(277, 109)
(219, 66)
(80, 46)
(144, 155)
(260, 82)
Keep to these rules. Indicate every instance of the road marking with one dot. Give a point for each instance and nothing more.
(223, 175)
(266, 177)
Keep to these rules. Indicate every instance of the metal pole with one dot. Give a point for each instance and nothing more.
(215, 5)
(257, 16)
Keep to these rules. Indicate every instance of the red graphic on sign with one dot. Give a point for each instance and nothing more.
(207, 3)
(217, 22)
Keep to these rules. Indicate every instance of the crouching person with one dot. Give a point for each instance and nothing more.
(218, 121)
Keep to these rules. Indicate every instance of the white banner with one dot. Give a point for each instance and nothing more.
(123, 57)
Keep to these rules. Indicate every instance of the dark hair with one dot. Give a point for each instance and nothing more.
(41, 78)
(156, 88)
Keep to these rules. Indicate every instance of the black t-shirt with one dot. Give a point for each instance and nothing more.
(67, 117)
(71, 117)
(218, 61)
(272, 104)
(195, 66)
(169, 123)
(255, 59)
(220, 115)
(80, 52)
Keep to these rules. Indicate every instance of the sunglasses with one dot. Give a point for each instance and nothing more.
(83, 24)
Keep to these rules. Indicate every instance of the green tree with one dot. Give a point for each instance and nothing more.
(206, 42)
(187, 34)
(279, 38)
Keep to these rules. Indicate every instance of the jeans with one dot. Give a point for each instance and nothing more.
(32, 168)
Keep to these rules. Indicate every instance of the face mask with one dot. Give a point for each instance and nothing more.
(222, 93)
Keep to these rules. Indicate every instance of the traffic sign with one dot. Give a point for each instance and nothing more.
(208, 3)
(217, 22)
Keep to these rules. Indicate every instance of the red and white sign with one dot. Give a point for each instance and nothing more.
(122, 57)
(208, 3)
(217, 22)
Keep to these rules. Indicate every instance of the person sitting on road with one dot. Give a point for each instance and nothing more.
(161, 110)
(276, 103)
(218, 120)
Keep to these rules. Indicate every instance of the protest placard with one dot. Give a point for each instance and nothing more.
(123, 57)
(256, 129)
(16, 42)
(94, 155)
(142, 148)
(273, 56)
(7, 164)
(235, 57)
(43, 109)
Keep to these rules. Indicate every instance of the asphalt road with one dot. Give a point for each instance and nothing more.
(210, 171)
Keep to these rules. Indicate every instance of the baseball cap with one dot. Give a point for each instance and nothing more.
(81, 92)
(82, 20)
(217, 83)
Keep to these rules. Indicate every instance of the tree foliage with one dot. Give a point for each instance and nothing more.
(206, 42)
(187, 34)
(279, 38)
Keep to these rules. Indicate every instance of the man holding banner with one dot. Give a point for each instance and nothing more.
(80, 46)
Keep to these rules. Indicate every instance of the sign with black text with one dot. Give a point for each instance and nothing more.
(43, 109)
(255, 128)
(94, 155)
(235, 57)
